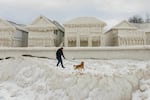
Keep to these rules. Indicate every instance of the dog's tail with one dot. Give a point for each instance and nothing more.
(74, 66)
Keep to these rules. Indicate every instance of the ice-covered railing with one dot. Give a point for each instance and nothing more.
(137, 38)
(126, 52)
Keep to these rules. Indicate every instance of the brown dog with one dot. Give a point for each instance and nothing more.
(79, 67)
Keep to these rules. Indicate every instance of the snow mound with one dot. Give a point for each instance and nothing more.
(26, 78)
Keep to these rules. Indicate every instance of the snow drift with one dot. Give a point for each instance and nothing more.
(26, 78)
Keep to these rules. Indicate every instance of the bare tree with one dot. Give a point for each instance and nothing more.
(136, 19)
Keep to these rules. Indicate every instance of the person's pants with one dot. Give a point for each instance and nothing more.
(60, 61)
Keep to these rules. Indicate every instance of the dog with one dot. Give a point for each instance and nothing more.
(79, 67)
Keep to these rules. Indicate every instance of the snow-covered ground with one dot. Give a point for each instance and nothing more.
(27, 78)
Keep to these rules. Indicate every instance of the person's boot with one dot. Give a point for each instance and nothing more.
(63, 67)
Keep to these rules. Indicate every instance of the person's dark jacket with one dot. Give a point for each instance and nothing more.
(59, 53)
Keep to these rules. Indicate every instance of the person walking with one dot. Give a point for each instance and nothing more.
(60, 53)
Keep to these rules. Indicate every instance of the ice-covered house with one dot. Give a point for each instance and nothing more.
(45, 33)
(146, 28)
(84, 32)
(124, 34)
(12, 34)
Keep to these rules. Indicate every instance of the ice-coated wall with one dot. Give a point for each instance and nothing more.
(135, 52)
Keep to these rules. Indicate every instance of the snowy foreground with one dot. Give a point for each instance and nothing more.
(27, 78)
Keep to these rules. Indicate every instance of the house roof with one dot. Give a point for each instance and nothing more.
(18, 26)
(5, 25)
(9, 25)
(124, 25)
(43, 21)
(84, 21)
(142, 26)
(58, 25)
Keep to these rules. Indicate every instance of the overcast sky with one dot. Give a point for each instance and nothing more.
(109, 11)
